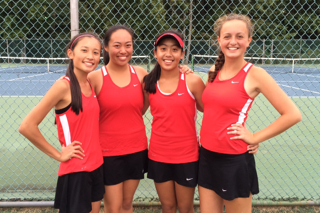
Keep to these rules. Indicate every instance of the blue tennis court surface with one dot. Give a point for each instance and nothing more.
(303, 82)
(36, 80)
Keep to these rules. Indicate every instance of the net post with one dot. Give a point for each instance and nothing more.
(192, 65)
(263, 50)
(48, 64)
(8, 51)
(272, 48)
(292, 66)
(74, 17)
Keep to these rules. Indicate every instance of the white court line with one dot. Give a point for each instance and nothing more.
(304, 96)
(308, 75)
(300, 89)
(301, 81)
(14, 79)
(30, 80)
(21, 96)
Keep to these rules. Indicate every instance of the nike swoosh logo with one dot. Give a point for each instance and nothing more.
(135, 85)
(94, 96)
(180, 93)
(224, 190)
(234, 82)
(189, 179)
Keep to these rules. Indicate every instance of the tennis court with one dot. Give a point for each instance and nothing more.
(287, 164)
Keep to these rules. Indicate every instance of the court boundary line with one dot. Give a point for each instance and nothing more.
(304, 96)
(308, 75)
(16, 79)
(299, 88)
(21, 96)
(300, 81)
(33, 81)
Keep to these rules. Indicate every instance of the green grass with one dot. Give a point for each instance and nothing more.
(288, 165)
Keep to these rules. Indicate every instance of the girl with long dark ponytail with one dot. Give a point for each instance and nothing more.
(122, 132)
(77, 116)
(76, 97)
(151, 79)
(173, 148)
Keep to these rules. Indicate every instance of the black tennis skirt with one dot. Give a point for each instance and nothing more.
(185, 174)
(117, 169)
(76, 191)
(230, 176)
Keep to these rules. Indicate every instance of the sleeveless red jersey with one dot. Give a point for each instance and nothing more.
(225, 103)
(174, 135)
(122, 129)
(84, 128)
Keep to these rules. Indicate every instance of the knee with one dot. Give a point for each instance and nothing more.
(169, 207)
(186, 208)
(112, 209)
(127, 205)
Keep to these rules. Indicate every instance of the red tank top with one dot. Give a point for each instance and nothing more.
(85, 129)
(122, 129)
(174, 135)
(225, 103)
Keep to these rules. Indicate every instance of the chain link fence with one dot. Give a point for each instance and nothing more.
(286, 43)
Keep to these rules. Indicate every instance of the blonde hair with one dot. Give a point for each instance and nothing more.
(217, 28)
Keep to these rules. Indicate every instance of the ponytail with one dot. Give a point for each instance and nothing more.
(217, 66)
(76, 97)
(151, 79)
(106, 57)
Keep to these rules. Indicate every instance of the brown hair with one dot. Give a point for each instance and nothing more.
(217, 28)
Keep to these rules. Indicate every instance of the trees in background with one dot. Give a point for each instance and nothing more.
(274, 19)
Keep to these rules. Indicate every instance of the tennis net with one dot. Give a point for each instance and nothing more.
(44, 65)
(202, 63)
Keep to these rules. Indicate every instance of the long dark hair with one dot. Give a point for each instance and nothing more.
(107, 37)
(151, 79)
(217, 28)
(76, 97)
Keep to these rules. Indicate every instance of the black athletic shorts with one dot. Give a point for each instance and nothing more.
(125, 167)
(185, 174)
(76, 191)
(230, 176)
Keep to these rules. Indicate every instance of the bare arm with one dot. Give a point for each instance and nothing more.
(196, 87)
(56, 95)
(141, 74)
(260, 81)
(96, 80)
